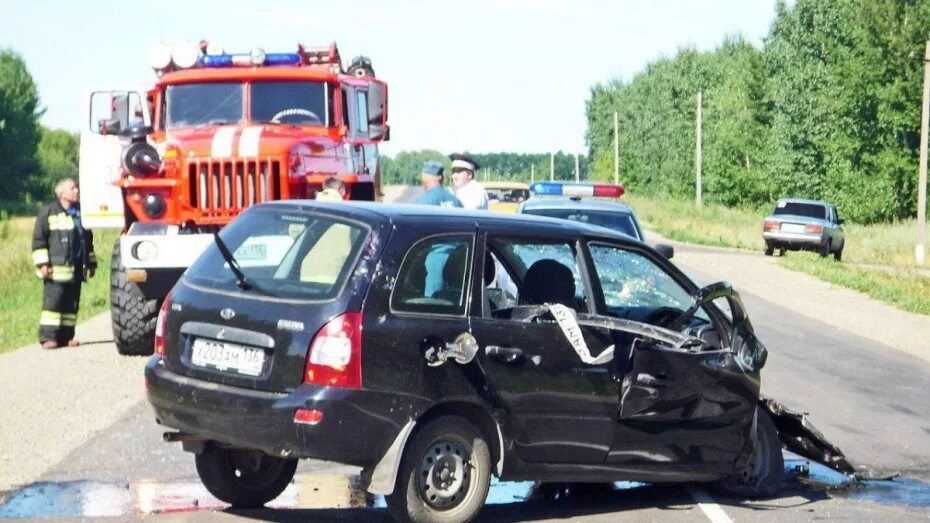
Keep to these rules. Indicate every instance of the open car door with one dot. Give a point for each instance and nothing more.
(108, 112)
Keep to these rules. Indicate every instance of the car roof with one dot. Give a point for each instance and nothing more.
(505, 185)
(804, 200)
(436, 219)
(592, 204)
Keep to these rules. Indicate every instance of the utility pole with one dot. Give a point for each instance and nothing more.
(922, 177)
(577, 170)
(551, 167)
(532, 173)
(697, 161)
(616, 149)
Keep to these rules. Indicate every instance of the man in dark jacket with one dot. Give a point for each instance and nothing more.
(63, 253)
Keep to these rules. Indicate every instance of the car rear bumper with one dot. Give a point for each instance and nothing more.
(788, 239)
(357, 426)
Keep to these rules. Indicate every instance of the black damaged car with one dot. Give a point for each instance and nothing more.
(435, 348)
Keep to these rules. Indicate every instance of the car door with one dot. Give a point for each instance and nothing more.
(557, 408)
(676, 407)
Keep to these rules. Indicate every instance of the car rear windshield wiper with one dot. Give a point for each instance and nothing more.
(233, 264)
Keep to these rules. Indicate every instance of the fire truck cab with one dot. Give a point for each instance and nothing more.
(172, 163)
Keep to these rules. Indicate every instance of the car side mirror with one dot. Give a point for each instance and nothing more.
(750, 353)
(840, 221)
(665, 250)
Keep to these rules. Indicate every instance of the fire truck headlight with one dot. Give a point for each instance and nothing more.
(144, 251)
(185, 54)
(154, 205)
(257, 56)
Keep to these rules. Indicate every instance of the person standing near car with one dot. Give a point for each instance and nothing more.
(63, 253)
(436, 193)
(467, 189)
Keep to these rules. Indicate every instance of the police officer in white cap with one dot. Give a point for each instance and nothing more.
(467, 189)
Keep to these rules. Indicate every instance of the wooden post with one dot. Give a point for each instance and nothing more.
(697, 160)
(532, 173)
(922, 176)
(616, 149)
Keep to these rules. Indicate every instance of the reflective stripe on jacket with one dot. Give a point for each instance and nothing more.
(52, 245)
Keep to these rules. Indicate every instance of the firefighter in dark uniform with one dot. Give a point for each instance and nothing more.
(63, 253)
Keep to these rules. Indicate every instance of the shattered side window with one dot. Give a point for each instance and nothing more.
(556, 277)
(433, 278)
(632, 281)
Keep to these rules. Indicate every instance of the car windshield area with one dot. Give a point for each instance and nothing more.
(507, 195)
(621, 222)
(194, 105)
(810, 210)
(293, 255)
(637, 288)
(295, 103)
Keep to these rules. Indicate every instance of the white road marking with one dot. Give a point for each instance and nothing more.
(707, 505)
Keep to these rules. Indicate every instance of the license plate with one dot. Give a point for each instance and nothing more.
(792, 227)
(227, 357)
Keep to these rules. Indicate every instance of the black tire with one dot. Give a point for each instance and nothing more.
(825, 250)
(447, 457)
(760, 475)
(838, 254)
(781, 252)
(133, 317)
(243, 478)
(769, 250)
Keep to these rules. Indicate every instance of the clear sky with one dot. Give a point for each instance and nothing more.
(478, 75)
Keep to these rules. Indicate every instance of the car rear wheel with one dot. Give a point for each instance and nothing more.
(825, 250)
(838, 254)
(760, 475)
(444, 474)
(781, 252)
(243, 478)
(769, 250)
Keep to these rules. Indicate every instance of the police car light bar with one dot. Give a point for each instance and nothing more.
(256, 57)
(604, 190)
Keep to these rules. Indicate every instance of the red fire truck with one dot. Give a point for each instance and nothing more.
(171, 163)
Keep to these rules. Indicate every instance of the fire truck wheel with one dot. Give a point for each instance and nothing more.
(133, 317)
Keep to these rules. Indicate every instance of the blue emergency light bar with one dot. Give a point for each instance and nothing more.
(246, 60)
(605, 190)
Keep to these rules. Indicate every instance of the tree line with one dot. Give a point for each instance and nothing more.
(32, 157)
(829, 108)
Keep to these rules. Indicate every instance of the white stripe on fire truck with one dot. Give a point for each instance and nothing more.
(222, 146)
(248, 141)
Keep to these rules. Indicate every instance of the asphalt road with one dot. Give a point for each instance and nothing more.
(864, 396)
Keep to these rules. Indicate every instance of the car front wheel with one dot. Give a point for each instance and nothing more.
(761, 474)
(769, 250)
(444, 475)
(243, 478)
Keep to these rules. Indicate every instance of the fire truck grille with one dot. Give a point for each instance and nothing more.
(231, 185)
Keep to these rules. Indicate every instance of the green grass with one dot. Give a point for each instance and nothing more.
(906, 289)
(21, 290)
(878, 260)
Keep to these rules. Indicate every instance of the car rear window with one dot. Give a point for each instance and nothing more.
(811, 210)
(617, 221)
(284, 254)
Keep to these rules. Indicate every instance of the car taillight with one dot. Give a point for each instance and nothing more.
(335, 355)
(771, 225)
(813, 228)
(160, 326)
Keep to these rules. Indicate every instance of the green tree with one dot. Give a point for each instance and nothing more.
(57, 157)
(19, 128)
